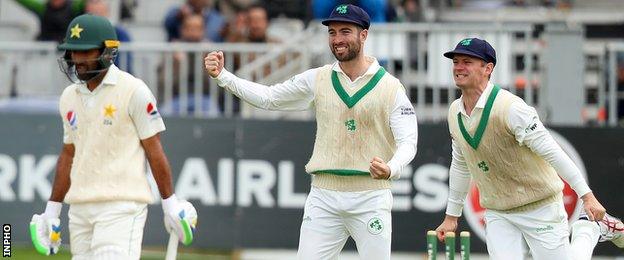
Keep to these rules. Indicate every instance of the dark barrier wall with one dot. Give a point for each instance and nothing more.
(247, 179)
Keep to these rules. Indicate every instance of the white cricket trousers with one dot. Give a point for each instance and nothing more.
(330, 217)
(106, 230)
(544, 229)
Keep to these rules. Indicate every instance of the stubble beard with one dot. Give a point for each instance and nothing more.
(352, 52)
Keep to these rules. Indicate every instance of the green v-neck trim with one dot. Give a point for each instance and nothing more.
(485, 117)
(350, 101)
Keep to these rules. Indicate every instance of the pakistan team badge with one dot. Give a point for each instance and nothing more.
(75, 31)
(375, 226)
(350, 124)
(483, 166)
(109, 114)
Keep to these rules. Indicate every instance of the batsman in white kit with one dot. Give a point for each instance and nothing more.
(499, 142)
(111, 126)
(366, 133)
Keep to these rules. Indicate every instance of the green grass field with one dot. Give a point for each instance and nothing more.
(28, 253)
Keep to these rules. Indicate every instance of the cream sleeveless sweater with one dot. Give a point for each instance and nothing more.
(109, 161)
(510, 177)
(352, 128)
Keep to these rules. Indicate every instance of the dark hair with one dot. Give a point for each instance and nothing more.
(256, 5)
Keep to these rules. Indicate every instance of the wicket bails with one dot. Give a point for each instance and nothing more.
(449, 248)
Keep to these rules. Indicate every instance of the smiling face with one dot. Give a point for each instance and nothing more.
(346, 40)
(470, 72)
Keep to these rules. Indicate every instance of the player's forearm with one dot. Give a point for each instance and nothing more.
(253, 93)
(459, 183)
(163, 179)
(404, 126)
(404, 154)
(549, 150)
(570, 173)
(529, 130)
(284, 96)
(159, 164)
(162, 174)
(62, 180)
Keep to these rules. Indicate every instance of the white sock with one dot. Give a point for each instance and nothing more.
(585, 236)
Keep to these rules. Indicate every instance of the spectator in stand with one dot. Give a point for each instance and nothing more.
(255, 31)
(191, 31)
(377, 9)
(409, 11)
(250, 25)
(258, 21)
(213, 20)
(126, 11)
(54, 16)
(236, 30)
(102, 8)
(519, 3)
(563, 4)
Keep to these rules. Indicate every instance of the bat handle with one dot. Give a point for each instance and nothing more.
(172, 247)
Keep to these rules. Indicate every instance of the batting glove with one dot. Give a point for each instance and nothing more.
(45, 229)
(180, 218)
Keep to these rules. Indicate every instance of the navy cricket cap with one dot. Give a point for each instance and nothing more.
(349, 13)
(474, 47)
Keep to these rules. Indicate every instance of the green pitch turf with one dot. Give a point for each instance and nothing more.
(28, 253)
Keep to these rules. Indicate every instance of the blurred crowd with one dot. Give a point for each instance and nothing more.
(244, 20)
(194, 21)
(247, 21)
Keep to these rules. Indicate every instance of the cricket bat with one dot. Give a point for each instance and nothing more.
(172, 247)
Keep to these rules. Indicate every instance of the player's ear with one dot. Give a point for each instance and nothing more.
(489, 68)
(363, 34)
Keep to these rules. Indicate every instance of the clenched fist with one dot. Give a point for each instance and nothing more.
(214, 63)
(379, 169)
(448, 225)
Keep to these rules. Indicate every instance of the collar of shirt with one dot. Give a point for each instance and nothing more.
(480, 102)
(110, 79)
(372, 69)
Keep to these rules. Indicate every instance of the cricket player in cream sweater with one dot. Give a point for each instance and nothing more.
(111, 125)
(499, 142)
(366, 134)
